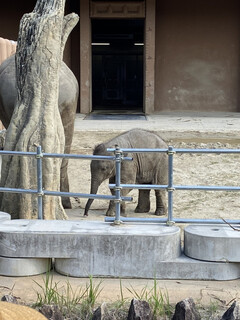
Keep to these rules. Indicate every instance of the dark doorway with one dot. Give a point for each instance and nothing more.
(117, 65)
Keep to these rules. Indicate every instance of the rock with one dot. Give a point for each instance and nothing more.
(186, 310)
(139, 310)
(51, 312)
(9, 298)
(233, 313)
(100, 312)
(12, 311)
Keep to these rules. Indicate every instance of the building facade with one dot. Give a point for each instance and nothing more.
(151, 55)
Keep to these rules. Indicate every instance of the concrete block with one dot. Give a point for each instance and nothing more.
(183, 268)
(4, 216)
(212, 243)
(92, 241)
(22, 267)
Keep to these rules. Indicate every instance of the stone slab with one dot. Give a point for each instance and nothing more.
(182, 268)
(22, 267)
(93, 241)
(212, 243)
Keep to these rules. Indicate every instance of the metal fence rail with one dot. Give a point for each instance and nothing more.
(171, 187)
(117, 198)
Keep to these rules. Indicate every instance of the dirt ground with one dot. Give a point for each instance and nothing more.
(189, 169)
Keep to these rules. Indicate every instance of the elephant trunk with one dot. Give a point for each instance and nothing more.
(94, 189)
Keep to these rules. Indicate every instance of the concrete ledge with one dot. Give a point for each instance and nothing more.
(4, 216)
(182, 268)
(97, 243)
(21, 267)
(212, 243)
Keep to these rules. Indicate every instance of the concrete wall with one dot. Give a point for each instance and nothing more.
(197, 55)
(196, 58)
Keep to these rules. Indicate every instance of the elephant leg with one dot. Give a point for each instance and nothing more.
(64, 184)
(161, 202)
(111, 211)
(68, 117)
(143, 201)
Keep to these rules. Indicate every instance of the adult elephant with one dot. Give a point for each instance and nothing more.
(67, 101)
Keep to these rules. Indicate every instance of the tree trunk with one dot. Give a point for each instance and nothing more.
(36, 119)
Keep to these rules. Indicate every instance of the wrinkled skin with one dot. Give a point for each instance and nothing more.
(146, 168)
(67, 101)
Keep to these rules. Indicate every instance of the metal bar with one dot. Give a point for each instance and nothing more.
(207, 188)
(176, 220)
(175, 187)
(39, 157)
(138, 150)
(140, 186)
(82, 156)
(78, 156)
(118, 156)
(17, 153)
(83, 195)
(170, 185)
(14, 190)
(218, 151)
(181, 150)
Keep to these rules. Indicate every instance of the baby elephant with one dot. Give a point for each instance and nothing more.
(146, 168)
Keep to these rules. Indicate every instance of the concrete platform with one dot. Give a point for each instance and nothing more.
(212, 243)
(133, 243)
(83, 248)
(182, 268)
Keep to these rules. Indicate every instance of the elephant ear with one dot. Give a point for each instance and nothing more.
(99, 149)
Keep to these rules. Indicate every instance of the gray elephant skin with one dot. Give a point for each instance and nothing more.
(67, 101)
(145, 168)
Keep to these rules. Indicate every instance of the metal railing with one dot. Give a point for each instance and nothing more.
(117, 198)
(170, 220)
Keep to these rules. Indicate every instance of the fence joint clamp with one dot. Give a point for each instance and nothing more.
(171, 189)
(171, 152)
(170, 223)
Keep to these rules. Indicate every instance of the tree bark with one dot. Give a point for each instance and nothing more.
(36, 119)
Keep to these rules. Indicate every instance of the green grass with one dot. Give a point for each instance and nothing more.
(80, 303)
(157, 299)
(70, 302)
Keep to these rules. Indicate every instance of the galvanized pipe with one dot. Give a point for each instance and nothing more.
(39, 157)
(170, 188)
(175, 220)
(118, 199)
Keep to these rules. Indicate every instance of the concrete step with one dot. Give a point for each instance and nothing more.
(183, 268)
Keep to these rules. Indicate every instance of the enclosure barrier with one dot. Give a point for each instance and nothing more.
(118, 157)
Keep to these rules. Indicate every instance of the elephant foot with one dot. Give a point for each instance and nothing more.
(141, 210)
(110, 213)
(66, 203)
(160, 212)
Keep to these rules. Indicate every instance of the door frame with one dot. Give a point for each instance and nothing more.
(86, 53)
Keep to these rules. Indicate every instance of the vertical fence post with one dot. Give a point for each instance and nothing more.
(170, 188)
(118, 158)
(39, 157)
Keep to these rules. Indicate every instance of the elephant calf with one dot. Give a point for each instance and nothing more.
(146, 168)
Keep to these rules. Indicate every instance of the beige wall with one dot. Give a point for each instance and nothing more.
(197, 55)
(197, 52)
